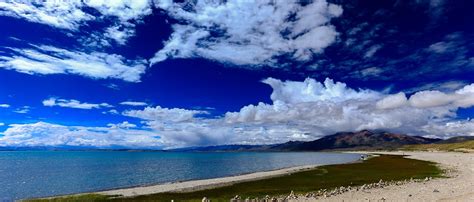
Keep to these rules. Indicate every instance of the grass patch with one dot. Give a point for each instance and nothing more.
(72, 198)
(459, 146)
(385, 167)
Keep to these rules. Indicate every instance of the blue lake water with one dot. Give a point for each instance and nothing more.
(43, 173)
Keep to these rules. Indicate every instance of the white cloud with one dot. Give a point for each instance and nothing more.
(430, 99)
(124, 124)
(371, 72)
(72, 14)
(112, 111)
(371, 51)
(52, 60)
(392, 101)
(2, 124)
(446, 86)
(22, 110)
(317, 109)
(61, 14)
(134, 103)
(248, 33)
(47, 134)
(164, 114)
(463, 97)
(4, 105)
(119, 34)
(450, 128)
(300, 110)
(439, 47)
(52, 102)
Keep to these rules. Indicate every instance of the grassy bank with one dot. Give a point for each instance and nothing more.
(466, 146)
(385, 167)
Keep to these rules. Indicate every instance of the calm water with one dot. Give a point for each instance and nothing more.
(40, 174)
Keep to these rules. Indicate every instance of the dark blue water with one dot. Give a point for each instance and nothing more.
(39, 174)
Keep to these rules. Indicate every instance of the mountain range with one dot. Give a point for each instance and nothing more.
(361, 140)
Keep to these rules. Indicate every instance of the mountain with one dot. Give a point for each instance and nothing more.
(356, 140)
(361, 140)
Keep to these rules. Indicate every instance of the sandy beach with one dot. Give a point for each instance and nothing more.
(458, 187)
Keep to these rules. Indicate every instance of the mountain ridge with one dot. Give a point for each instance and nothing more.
(361, 140)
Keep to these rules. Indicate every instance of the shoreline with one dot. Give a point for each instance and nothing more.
(193, 184)
(457, 185)
(202, 184)
(196, 185)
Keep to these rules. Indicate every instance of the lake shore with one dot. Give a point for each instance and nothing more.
(459, 186)
(195, 185)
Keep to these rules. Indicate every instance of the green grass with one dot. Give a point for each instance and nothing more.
(385, 167)
(73, 198)
(460, 146)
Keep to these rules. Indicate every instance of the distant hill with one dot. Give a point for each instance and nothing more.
(362, 140)
(464, 146)
(457, 139)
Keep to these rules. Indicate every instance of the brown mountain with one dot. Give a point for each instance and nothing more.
(364, 139)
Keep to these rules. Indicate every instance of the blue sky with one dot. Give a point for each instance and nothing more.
(162, 74)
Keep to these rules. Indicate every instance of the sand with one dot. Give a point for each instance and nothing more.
(458, 187)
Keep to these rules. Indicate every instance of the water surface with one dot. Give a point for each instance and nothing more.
(28, 174)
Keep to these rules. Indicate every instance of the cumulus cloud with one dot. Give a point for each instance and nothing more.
(134, 103)
(310, 91)
(2, 124)
(463, 97)
(300, 110)
(52, 60)
(318, 109)
(216, 30)
(4, 105)
(392, 101)
(53, 102)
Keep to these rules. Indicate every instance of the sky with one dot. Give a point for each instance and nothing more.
(164, 74)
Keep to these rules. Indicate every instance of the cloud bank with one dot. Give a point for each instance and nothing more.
(300, 110)
(47, 134)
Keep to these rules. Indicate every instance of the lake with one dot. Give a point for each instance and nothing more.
(28, 174)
